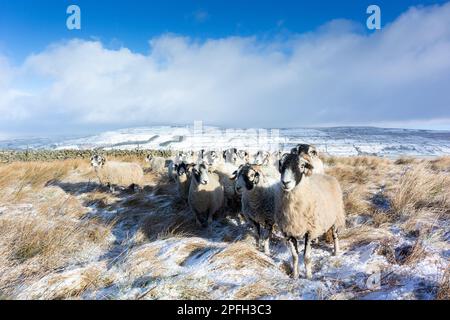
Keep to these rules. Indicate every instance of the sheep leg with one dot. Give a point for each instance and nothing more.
(336, 241)
(267, 240)
(294, 251)
(209, 221)
(307, 256)
(197, 218)
(258, 234)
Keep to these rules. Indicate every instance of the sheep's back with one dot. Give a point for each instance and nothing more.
(259, 204)
(121, 173)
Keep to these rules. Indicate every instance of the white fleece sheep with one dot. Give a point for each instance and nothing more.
(307, 205)
(232, 200)
(206, 194)
(258, 201)
(157, 164)
(114, 173)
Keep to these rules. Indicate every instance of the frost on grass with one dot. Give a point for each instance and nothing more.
(66, 237)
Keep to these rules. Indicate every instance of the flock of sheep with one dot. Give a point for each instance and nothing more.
(288, 191)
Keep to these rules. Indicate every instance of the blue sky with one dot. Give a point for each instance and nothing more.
(28, 26)
(229, 63)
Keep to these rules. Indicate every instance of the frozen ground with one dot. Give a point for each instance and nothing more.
(333, 141)
(154, 250)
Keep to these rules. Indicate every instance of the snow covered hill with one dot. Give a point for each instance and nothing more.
(334, 141)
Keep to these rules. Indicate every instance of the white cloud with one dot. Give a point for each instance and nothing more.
(336, 75)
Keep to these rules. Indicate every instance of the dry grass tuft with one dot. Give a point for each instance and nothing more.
(444, 287)
(411, 254)
(419, 188)
(53, 243)
(257, 290)
(403, 161)
(168, 222)
(240, 255)
(363, 234)
(195, 248)
(70, 284)
(25, 177)
(441, 164)
(145, 261)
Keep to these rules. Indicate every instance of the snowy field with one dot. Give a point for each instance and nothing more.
(65, 237)
(337, 141)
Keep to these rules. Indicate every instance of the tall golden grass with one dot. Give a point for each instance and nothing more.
(58, 231)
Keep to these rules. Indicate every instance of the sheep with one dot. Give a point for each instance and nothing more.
(157, 164)
(172, 170)
(206, 194)
(258, 201)
(230, 155)
(232, 200)
(186, 157)
(311, 151)
(114, 173)
(180, 157)
(183, 179)
(209, 157)
(267, 162)
(261, 158)
(243, 157)
(307, 205)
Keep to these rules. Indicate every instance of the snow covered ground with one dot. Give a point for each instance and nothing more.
(151, 248)
(333, 141)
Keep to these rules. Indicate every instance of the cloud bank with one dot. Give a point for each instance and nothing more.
(336, 75)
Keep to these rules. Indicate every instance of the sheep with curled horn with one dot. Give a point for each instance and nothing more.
(307, 205)
(258, 201)
(311, 151)
(206, 194)
(115, 173)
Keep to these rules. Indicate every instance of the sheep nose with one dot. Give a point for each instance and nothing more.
(285, 183)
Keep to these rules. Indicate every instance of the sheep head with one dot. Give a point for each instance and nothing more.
(305, 149)
(201, 173)
(97, 161)
(247, 177)
(293, 168)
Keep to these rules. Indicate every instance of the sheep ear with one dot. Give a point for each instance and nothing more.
(256, 180)
(306, 167)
